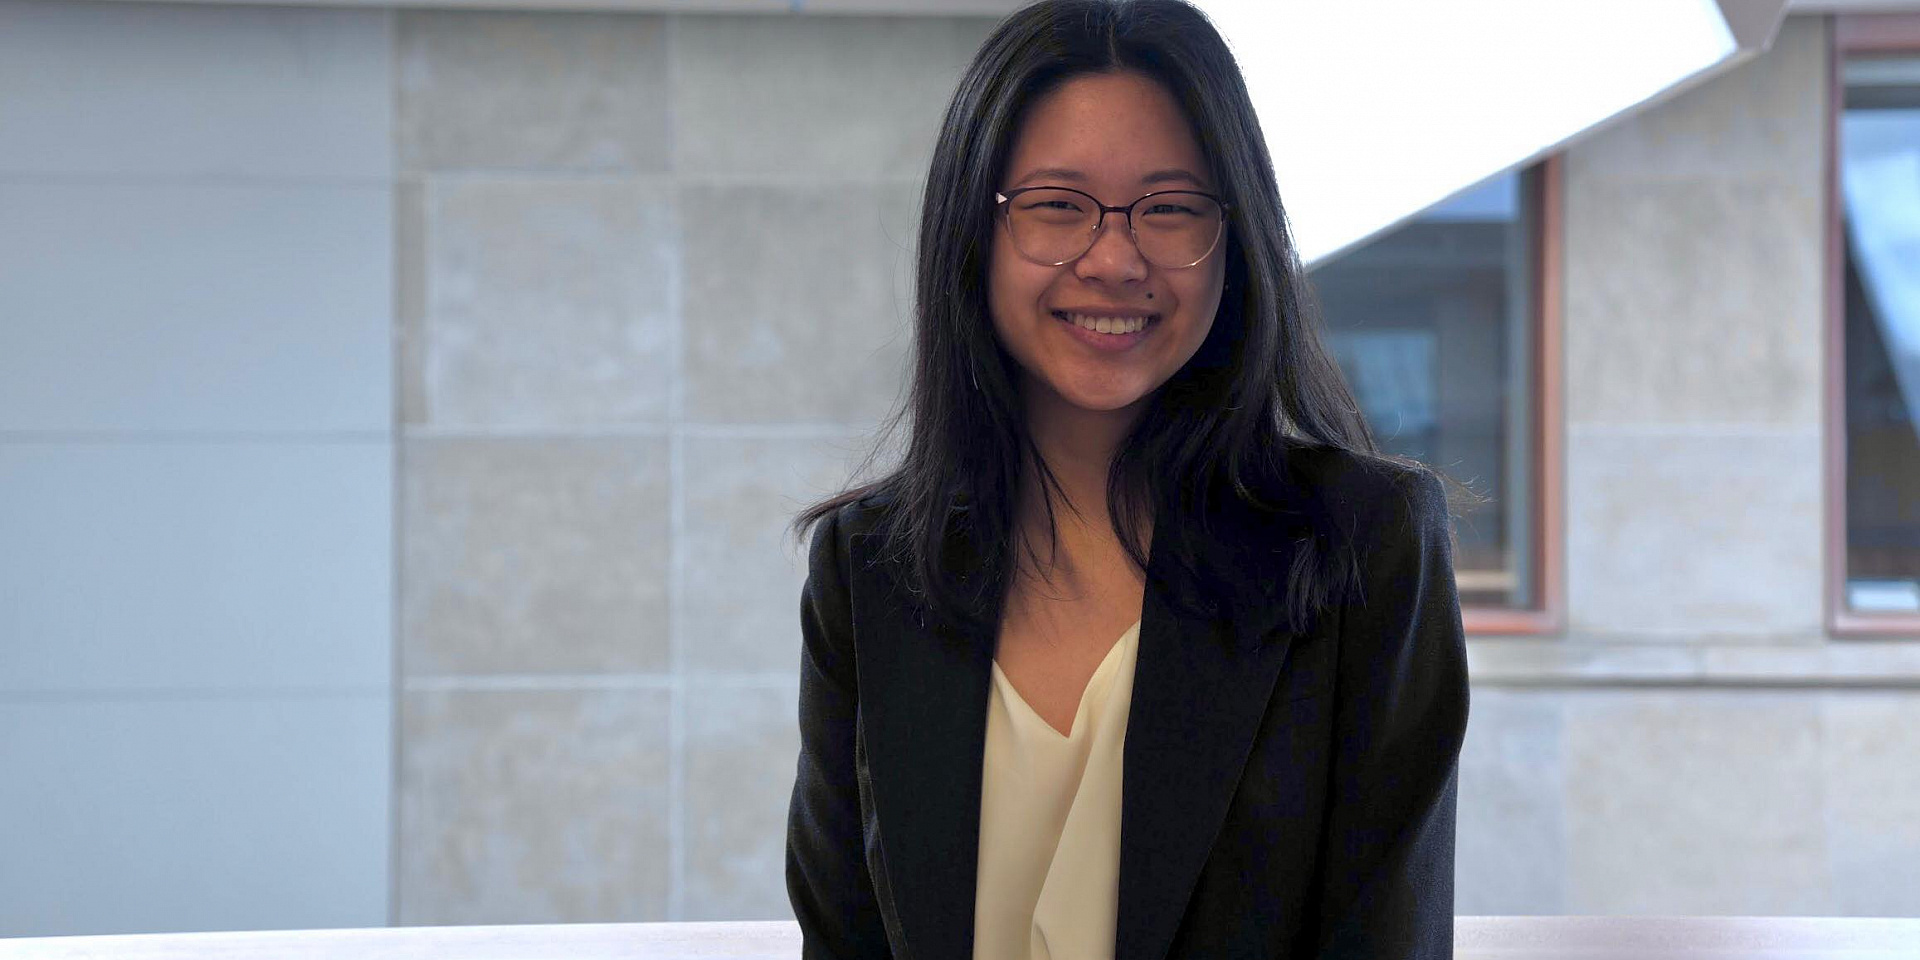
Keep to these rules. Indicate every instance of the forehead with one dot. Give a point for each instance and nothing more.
(1113, 128)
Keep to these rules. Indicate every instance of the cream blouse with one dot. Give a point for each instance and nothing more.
(1048, 885)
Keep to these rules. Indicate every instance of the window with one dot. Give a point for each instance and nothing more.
(1875, 300)
(1443, 326)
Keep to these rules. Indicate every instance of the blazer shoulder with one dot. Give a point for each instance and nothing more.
(864, 516)
(833, 550)
(854, 518)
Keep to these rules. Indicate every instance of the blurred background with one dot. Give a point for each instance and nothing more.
(400, 409)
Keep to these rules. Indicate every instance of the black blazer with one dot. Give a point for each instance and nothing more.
(1284, 794)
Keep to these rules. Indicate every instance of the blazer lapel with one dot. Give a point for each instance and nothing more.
(1201, 686)
(923, 693)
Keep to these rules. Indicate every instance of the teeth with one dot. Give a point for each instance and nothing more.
(1107, 324)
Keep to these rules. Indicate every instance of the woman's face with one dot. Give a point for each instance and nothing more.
(1115, 136)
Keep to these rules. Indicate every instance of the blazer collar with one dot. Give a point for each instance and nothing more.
(1201, 686)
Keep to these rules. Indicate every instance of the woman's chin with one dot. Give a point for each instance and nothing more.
(1102, 400)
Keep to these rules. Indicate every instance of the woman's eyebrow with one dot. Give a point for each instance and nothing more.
(1172, 174)
(1169, 175)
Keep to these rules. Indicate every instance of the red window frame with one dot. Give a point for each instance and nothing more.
(1878, 33)
(1548, 510)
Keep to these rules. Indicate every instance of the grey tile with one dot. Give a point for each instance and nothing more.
(166, 815)
(195, 566)
(1765, 117)
(750, 93)
(1694, 536)
(534, 556)
(548, 303)
(819, 329)
(1872, 790)
(1510, 840)
(738, 610)
(742, 746)
(175, 306)
(186, 89)
(983, 8)
(410, 300)
(1695, 802)
(1694, 301)
(533, 806)
(532, 91)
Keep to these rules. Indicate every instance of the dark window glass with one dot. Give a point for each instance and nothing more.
(1879, 154)
(1434, 323)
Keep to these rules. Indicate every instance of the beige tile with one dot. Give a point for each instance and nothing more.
(741, 573)
(531, 91)
(1571, 657)
(842, 97)
(797, 301)
(548, 303)
(1694, 537)
(1696, 301)
(1510, 840)
(1810, 659)
(1872, 789)
(533, 806)
(742, 748)
(1764, 117)
(541, 556)
(1818, 659)
(1695, 802)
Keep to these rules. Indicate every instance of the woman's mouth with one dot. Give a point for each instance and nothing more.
(1108, 333)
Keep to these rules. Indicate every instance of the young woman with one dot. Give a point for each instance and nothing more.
(1143, 649)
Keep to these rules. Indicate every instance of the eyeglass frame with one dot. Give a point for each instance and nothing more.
(1001, 199)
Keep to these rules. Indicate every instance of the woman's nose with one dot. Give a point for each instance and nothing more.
(1113, 256)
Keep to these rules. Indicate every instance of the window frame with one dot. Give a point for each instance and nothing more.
(1849, 34)
(1547, 511)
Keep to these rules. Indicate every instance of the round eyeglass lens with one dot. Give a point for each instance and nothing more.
(1176, 229)
(1172, 229)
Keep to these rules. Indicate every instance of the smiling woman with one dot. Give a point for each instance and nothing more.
(1144, 648)
(1097, 337)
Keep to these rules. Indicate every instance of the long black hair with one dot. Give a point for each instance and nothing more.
(1260, 383)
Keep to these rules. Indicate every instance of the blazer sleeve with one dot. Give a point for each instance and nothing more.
(827, 879)
(1400, 717)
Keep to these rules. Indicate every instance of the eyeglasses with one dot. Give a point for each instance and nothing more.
(1056, 225)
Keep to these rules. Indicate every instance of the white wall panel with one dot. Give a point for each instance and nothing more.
(196, 467)
(203, 566)
(133, 89)
(196, 307)
(159, 815)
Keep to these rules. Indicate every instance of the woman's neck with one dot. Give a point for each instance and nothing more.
(1078, 446)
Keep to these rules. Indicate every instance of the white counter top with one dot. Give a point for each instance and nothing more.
(1475, 938)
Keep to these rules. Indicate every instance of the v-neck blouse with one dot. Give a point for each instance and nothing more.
(1048, 880)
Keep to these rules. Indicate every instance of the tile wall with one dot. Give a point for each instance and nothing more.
(654, 279)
